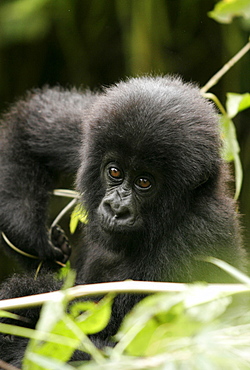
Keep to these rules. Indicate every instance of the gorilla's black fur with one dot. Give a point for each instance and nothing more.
(146, 154)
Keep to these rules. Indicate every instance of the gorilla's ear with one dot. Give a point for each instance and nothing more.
(202, 182)
(206, 178)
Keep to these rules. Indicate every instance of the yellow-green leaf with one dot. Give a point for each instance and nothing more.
(236, 103)
(79, 214)
(95, 316)
(225, 10)
(231, 150)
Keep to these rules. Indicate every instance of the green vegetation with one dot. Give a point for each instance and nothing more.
(190, 326)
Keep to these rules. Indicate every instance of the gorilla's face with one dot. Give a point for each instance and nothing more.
(127, 192)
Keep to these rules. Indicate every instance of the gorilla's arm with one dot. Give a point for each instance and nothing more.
(40, 137)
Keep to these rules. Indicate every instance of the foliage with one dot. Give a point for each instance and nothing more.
(192, 329)
(195, 327)
(61, 332)
(237, 103)
(78, 215)
(230, 151)
(234, 104)
(226, 10)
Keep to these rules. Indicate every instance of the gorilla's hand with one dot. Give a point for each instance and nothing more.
(60, 244)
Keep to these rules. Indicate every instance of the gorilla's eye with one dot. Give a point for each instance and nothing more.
(115, 173)
(143, 183)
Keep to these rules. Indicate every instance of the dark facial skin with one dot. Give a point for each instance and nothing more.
(125, 192)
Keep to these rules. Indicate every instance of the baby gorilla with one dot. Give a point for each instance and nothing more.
(146, 154)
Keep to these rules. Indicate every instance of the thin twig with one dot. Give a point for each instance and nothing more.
(214, 98)
(64, 211)
(66, 193)
(12, 246)
(213, 80)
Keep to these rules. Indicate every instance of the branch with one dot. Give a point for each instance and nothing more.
(213, 80)
(128, 286)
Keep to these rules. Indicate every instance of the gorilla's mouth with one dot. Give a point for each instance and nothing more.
(119, 225)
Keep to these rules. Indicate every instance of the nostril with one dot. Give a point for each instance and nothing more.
(124, 216)
(116, 210)
(122, 213)
(108, 209)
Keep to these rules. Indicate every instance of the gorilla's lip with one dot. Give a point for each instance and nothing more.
(112, 225)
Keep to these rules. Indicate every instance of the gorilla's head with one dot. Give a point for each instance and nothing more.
(152, 148)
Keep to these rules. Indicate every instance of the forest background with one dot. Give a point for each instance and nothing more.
(91, 43)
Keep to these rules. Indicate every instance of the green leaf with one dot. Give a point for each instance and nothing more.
(69, 279)
(39, 362)
(164, 325)
(57, 351)
(231, 150)
(52, 321)
(94, 316)
(146, 309)
(238, 176)
(136, 326)
(64, 273)
(17, 330)
(139, 345)
(236, 103)
(225, 10)
(9, 315)
(79, 214)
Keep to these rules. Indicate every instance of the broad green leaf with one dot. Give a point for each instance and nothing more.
(138, 321)
(56, 321)
(94, 316)
(78, 215)
(147, 308)
(58, 351)
(72, 338)
(236, 103)
(225, 10)
(165, 327)
(138, 346)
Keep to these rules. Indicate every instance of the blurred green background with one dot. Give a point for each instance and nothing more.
(97, 42)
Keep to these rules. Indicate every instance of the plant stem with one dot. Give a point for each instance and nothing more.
(213, 80)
